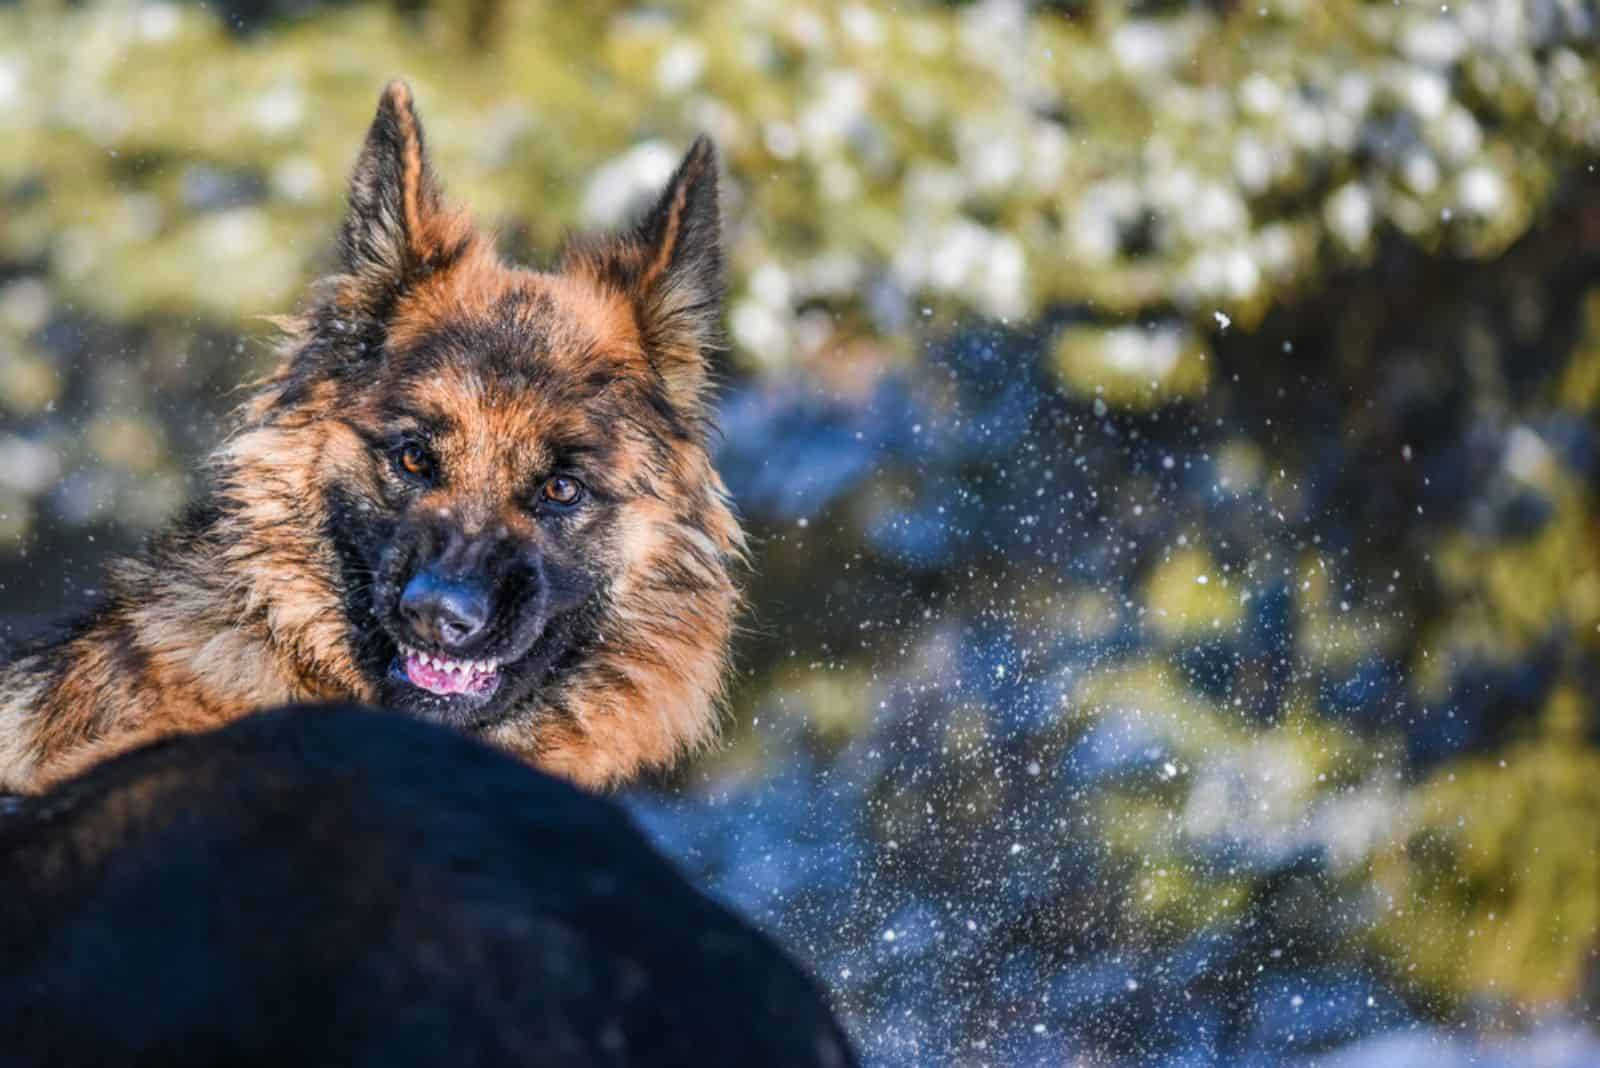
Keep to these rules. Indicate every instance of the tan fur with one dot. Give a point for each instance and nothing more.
(247, 613)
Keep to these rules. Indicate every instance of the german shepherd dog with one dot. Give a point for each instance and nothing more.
(331, 885)
(473, 493)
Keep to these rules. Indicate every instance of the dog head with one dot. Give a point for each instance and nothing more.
(507, 484)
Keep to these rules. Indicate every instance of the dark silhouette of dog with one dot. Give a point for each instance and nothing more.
(331, 885)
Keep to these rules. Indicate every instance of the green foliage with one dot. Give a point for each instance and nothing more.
(998, 161)
(1495, 889)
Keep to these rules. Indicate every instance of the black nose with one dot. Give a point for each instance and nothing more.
(445, 611)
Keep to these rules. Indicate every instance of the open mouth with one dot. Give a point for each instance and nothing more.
(446, 677)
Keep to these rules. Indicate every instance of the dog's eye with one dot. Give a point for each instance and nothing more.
(413, 460)
(562, 490)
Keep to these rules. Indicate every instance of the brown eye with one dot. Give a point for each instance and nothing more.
(414, 460)
(563, 490)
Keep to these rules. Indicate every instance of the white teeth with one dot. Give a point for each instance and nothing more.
(468, 668)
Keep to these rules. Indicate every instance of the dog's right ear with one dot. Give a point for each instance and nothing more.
(398, 227)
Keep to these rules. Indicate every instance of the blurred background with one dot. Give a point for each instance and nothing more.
(1171, 433)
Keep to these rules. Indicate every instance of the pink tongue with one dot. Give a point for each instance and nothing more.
(435, 680)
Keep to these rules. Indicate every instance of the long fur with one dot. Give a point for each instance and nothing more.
(251, 597)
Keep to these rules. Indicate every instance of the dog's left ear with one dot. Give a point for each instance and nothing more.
(398, 226)
(670, 267)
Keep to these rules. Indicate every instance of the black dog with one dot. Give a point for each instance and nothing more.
(327, 885)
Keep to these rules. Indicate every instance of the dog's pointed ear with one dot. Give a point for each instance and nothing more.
(670, 266)
(397, 225)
